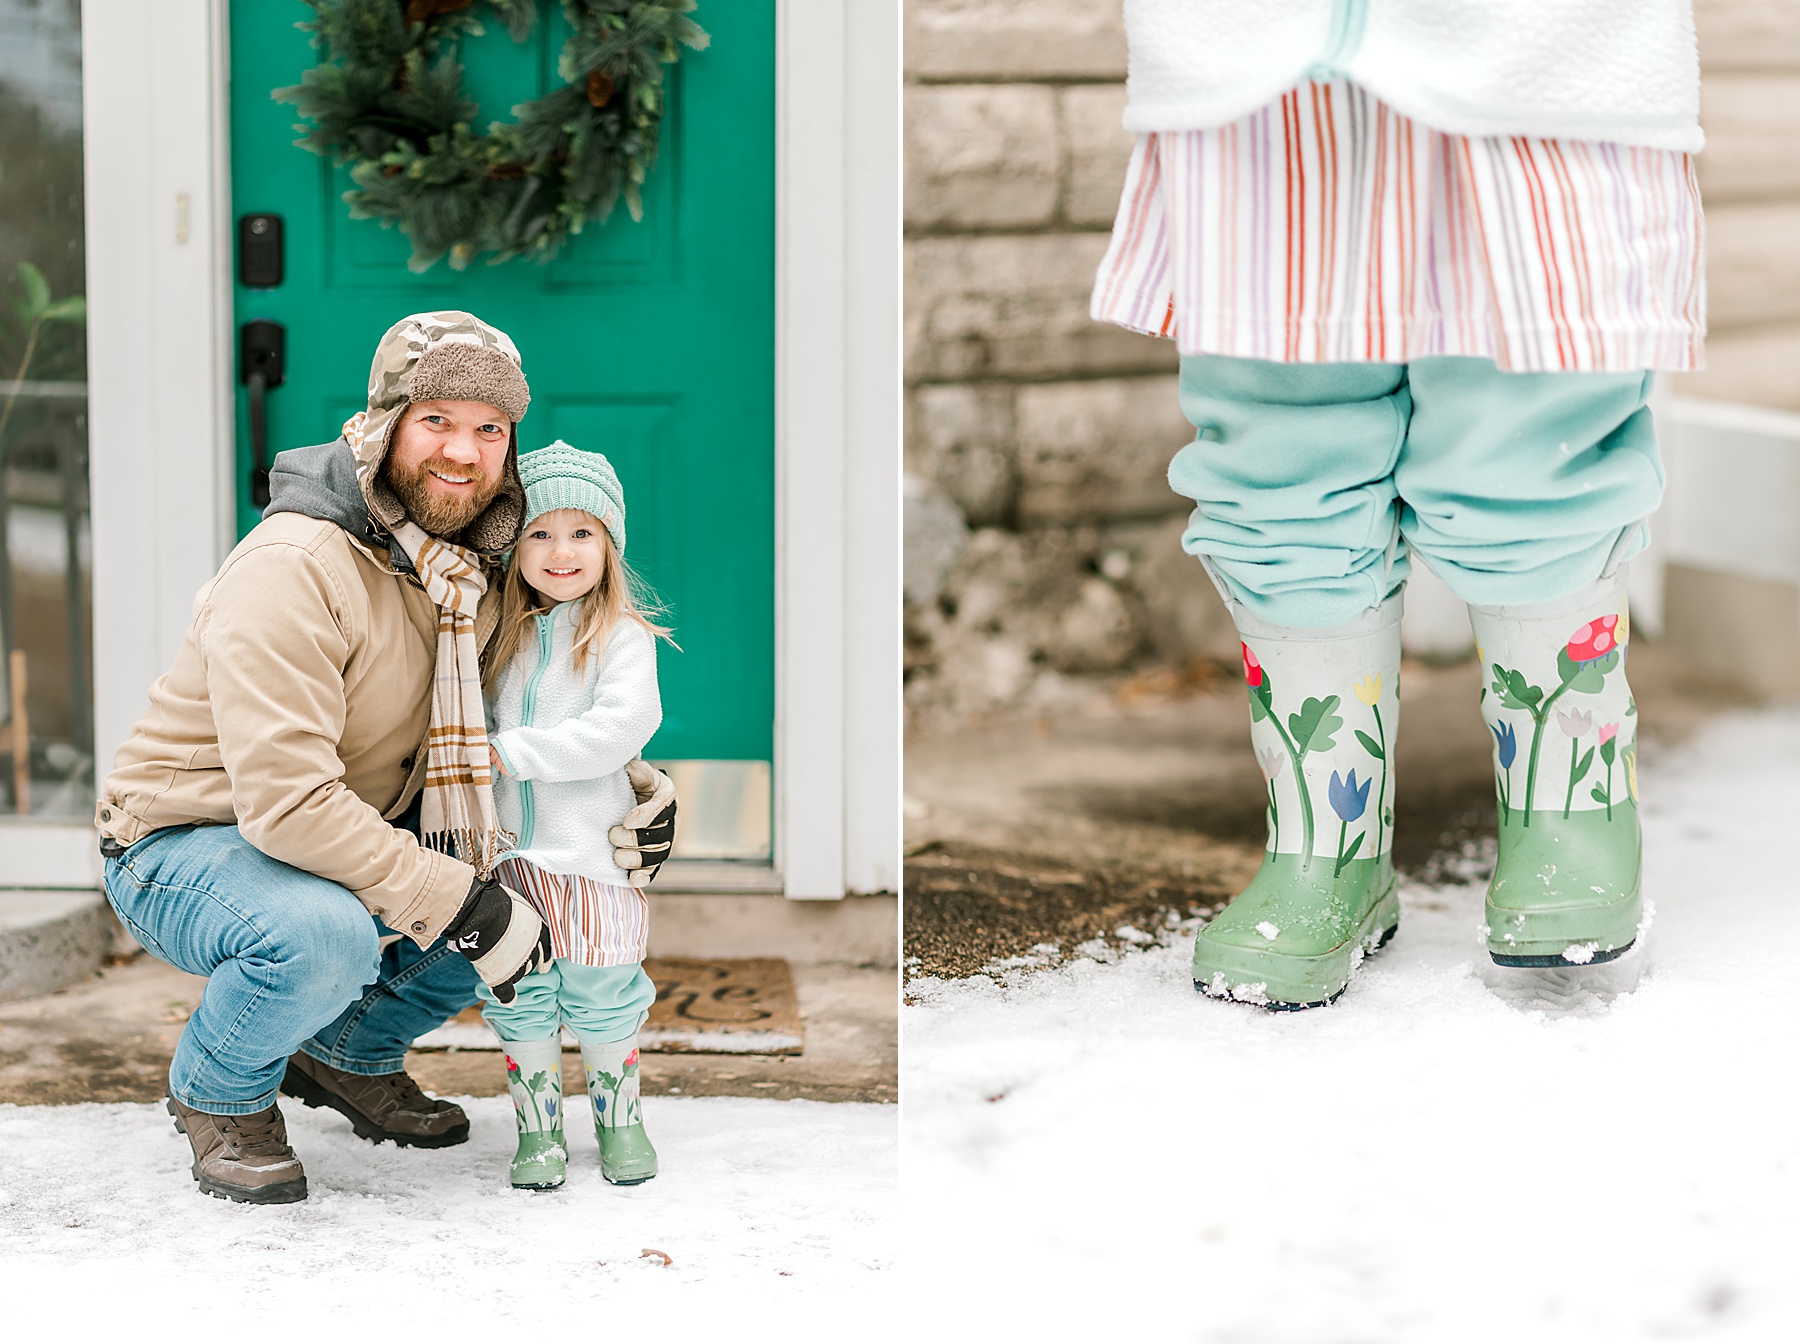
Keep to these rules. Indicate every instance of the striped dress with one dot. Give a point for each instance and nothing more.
(591, 923)
(1326, 227)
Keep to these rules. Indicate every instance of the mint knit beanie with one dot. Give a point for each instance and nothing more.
(561, 477)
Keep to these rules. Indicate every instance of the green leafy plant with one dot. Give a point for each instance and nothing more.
(37, 309)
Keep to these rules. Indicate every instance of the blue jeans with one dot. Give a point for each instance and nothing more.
(293, 962)
(1312, 481)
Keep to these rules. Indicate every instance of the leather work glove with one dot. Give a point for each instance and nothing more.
(643, 837)
(501, 935)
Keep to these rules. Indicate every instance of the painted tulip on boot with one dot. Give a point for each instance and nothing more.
(1324, 707)
(1567, 883)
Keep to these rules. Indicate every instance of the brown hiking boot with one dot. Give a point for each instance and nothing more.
(242, 1157)
(379, 1106)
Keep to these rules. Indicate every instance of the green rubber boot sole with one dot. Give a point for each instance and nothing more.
(1322, 928)
(1566, 890)
(542, 1162)
(626, 1155)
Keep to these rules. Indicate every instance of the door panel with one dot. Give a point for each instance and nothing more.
(652, 342)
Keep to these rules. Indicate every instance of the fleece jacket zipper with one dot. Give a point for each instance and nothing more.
(1347, 20)
(527, 712)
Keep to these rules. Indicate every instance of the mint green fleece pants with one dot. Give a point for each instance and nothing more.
(1313, 483)
(599, 1003)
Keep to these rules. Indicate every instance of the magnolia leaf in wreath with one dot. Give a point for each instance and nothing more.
(387, 102)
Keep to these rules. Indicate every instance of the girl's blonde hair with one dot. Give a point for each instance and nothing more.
(619, 596)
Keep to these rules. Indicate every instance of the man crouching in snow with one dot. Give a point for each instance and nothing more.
(323, 713)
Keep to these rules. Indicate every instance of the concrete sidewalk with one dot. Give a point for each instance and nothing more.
(110, 1038)
(1144, 805)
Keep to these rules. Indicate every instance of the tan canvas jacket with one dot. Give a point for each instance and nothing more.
(297, 708)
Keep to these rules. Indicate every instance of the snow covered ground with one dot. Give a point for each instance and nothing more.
(1450, 1154)
(775, 1209)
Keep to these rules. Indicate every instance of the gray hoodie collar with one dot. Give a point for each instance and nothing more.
(320, 482)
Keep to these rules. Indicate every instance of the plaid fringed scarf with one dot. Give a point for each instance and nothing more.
(458, 805)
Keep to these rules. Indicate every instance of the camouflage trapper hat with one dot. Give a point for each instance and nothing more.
(444, 356)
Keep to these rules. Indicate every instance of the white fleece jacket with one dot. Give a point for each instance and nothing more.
(565, 740)
(1627, 71)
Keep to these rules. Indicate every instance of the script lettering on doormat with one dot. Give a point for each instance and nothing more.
(736, 1006)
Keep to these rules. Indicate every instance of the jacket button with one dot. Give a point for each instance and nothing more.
(106, 814)
(418, 926)
(406, 762)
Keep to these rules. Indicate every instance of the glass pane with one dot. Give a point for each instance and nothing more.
(724, 809)
(46, 712)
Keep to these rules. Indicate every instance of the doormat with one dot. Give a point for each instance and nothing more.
(711, 1006)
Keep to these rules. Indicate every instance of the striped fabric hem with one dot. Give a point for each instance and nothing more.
(591, 923)
(1328, 228)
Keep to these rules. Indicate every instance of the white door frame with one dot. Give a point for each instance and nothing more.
(161, 370)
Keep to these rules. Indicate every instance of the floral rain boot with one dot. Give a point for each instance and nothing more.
(626, 1157)
(1566, 884)
(534, 1078)
(1324, 706)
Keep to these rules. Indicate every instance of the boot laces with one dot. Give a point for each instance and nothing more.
(258, 1135)
(406, 1093)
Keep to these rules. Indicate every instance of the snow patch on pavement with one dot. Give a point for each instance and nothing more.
(783, 1202)
(1452, 1152)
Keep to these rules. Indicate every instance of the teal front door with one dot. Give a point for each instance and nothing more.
(650, 341)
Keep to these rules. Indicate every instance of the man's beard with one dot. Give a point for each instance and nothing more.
(440, 514)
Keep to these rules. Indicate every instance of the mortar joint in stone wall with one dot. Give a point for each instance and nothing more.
(1042, 379)
(1047, 81)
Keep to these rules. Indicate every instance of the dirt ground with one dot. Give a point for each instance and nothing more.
(1143, 805)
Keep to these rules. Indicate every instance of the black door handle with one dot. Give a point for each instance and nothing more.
(262, 364)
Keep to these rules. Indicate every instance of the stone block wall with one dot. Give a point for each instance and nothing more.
(1750, 181)
(1043, 544)
(1044, 539)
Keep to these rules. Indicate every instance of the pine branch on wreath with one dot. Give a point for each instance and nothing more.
(387, 100)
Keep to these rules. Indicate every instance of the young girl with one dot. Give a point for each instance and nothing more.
(1420, 258)
(572, 690)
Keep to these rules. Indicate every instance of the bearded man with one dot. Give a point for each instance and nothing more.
(305, 815)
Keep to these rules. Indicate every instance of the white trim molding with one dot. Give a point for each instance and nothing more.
(871, 502)
(837, 447)
(159, 357)
(812, 332)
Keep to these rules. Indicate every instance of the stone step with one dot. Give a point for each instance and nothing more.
(50, 939)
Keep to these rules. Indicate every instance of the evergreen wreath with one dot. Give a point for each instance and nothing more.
(387, 100)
